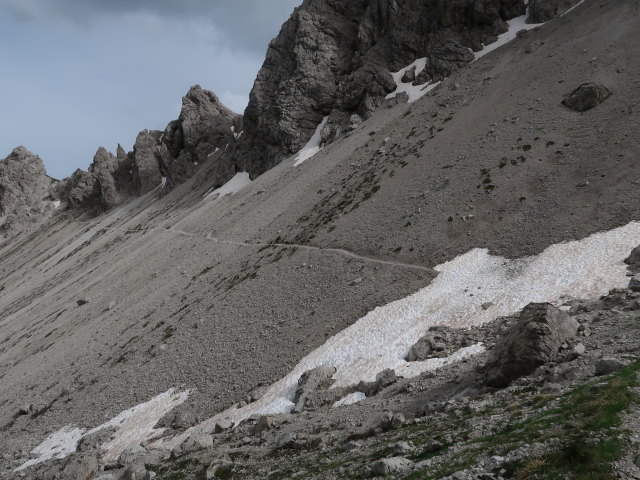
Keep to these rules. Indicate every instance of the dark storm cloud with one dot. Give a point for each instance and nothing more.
(245, 24)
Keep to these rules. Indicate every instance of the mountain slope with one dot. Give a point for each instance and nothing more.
(183, 291)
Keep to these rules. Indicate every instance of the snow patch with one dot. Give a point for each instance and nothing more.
(515, 25)
(132, 426)
(164, 182)
(56, 204)
(237, 183)
(313, 145)
(415, 92)
(350, 399)
(586, 268)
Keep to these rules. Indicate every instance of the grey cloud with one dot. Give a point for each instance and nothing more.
(245, 24)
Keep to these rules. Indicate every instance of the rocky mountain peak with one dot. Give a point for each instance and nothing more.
(25, 191)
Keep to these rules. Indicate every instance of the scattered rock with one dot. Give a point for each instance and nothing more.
(587, 96)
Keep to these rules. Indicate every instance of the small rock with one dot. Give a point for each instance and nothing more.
(222, 426)
(608, 365)
(533, 46)
(264, 423)
(135, 472)
(393, 465)
(634, 284)
(83, 301)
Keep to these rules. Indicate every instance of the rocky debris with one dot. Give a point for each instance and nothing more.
(535, 340)
(587, 96)
(391, 466)
(440, 342)
(344, 52)
(311, 381)
(26, 192)
(609, 365)
(541, 11)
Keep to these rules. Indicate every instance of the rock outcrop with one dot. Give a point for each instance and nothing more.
(168, 158)
(26, 192)
(535, 340)
(333, 58)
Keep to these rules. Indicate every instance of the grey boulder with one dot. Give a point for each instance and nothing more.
(534, 340)
(587, 96)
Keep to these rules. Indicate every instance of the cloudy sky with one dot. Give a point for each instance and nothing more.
(79, 74)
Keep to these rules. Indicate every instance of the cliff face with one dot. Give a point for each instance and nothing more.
(333, 58)
(25, 192)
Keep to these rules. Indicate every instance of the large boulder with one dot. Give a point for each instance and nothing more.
(534, 340)
(587, 96)
(26, 192)
(319, 378)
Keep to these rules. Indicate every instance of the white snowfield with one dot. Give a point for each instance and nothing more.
(313, 145)
(415, 92)
(586, 268)
(237, 183)
(132, 426)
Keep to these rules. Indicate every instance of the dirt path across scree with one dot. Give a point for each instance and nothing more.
(339, 251)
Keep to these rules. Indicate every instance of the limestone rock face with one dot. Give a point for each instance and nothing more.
(535, 340)
(333, 58)
(26, 192)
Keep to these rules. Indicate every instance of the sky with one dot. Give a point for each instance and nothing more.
(79, 74)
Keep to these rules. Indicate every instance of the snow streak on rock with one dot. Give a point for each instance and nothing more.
(414, 92)
(313, 145)
(515, 25)
(237, 183)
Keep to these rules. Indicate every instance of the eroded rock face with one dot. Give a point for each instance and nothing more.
(26, 192)
(333, 58)
(533, 341)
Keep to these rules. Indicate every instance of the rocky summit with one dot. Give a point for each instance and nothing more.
(415, 256)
